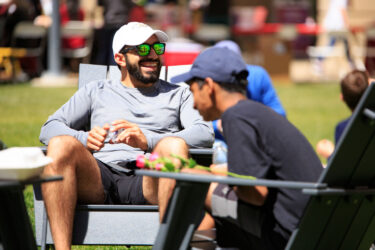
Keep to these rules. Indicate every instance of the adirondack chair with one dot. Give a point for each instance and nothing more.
(341, 210)
(110, 224)
(341, 216)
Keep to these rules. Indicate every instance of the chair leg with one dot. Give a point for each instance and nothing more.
(44, 229)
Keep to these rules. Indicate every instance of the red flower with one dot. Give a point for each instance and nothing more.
(141, 161)
(159, 166)
(153, 157)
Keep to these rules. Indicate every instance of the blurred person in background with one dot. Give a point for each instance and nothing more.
(70, 10)
(259, 88)
(11, 13)
(44, 18)
(336, 21)
(116, 13)
(214, 12)
(352, 87)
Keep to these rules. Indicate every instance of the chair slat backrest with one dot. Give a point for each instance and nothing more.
(344, 170)
(344, 220)
(91, 72)
(176, 70)
(114, 73)
(76, 28)
(29, 36)
(27, 29)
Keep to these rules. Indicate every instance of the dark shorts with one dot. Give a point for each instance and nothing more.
(239, 224)
(121, 187)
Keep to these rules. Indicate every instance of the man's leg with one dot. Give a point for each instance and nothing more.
(82, 181)
(237, 223)
(158, 191)
(208, 221)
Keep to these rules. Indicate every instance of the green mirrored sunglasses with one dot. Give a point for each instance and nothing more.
(145, 49)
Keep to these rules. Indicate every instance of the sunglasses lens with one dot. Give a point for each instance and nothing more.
(143, 49)
(159, 48)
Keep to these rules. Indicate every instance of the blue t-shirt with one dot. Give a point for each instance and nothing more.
(259, 89)
(340, 127)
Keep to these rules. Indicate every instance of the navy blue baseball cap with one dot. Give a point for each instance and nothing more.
(221, 64)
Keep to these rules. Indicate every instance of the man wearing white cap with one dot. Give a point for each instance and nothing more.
(144, 113)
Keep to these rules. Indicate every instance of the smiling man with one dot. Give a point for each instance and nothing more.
(261, 143)
(134, 115)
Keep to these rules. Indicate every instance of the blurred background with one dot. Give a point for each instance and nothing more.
(286, 37)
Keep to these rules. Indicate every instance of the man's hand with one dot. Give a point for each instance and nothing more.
(194, 171)
(132, 135)
(325, 148)
(219, 169)
(96, 137)
(219, 127)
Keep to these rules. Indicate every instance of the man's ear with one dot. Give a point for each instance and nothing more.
(341, 97)
(210, 83)
(120, 59)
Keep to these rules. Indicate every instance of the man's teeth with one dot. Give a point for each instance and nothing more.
(150, 64)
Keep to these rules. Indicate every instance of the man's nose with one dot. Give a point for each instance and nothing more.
(153, 53)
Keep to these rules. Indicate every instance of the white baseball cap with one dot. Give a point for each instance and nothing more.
(135, 33)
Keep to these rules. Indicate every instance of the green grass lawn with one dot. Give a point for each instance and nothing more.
(314, 109)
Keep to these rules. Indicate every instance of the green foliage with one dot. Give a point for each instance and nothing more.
(192, 163)
(24, 109)
(168, 164)
(314, 109)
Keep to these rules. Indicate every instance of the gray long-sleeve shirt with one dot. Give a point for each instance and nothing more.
(159, 111)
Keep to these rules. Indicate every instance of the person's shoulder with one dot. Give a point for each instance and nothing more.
(342, 124)
(241, 106)
(247, 103)
(97, 86)
(256, 70)
(254, 67)
(251, 108)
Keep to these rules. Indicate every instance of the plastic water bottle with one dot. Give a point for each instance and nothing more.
(220, 153)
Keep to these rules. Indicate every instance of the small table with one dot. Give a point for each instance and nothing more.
(187, 203)
(15, 227)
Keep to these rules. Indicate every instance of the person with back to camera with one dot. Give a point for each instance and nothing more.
(148, 115)
(261, 143)
(259, 89)
(352, 86)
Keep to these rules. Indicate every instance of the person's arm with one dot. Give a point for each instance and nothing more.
(70, 119)
(344, 13)
(196, 132)
(254, 195)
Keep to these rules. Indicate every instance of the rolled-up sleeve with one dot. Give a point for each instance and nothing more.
(196, 132)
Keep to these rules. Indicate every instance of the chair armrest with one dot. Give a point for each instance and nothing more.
(201, 151)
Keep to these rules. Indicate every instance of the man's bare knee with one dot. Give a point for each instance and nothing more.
(64, 150)
(64, 146)
(175, 145)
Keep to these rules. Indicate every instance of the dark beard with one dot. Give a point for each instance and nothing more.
(134, 70)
